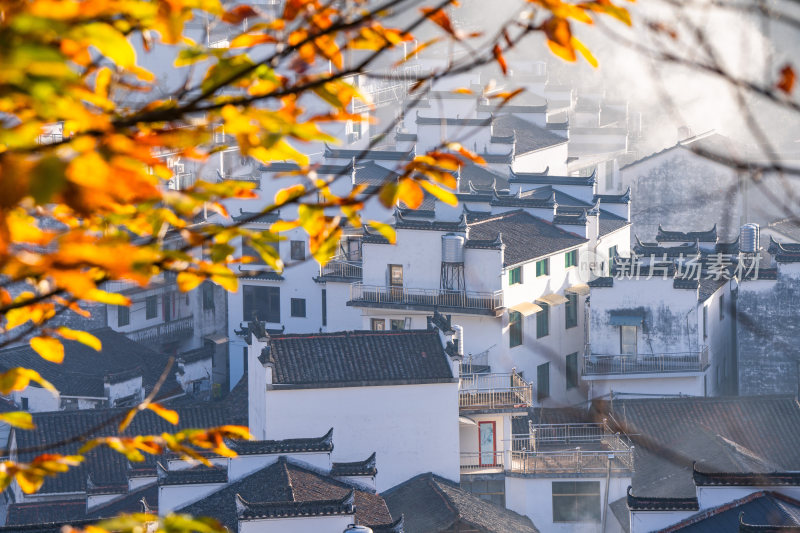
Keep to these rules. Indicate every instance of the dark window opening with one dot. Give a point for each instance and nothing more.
(543, 321)
(262, 303)
(298, 307)
(543, 381)
(151, 307)
(576, 501)
(123, 316)
(514, 328)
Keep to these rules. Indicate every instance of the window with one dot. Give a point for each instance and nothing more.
(123, 315)
(487, 446)
(396, 275)
(627, 340)
(571, 259)
(253, 253)
(543, 321)
(705, 322)
(397, 324)
(298, 250)
(24, 404)
(262, 303)
(571, 311)
(208, 295)
(298, 307)
(543, 268)
(612, 256)
(377, 324)
(515, 276)
(721, 306)
(324, 307)
(543, 381)
(572, 370)
(151, 307)
(245, 361)
(576, 501)
(514, 328)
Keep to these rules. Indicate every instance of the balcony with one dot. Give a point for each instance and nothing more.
(166, 332)
(485, 303)
(570, 448)
(557, 449)
(341, 268)
(494, 391)
(664, 363)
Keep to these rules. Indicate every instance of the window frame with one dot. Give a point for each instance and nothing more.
(151, 307)
(297, 302)
(392, 279)
(571, 258)
(375, 321)
(545, 267)
(571, 370)
(123, 310)
(514, 329)
(571, 311)
(722, 307)
(271, 298)
(635, 340)
(515, 276)
(564, 493)
(393, 321)
(543, 392)
(208, 296)
(297, 250)
(705, 321)
(543, 318)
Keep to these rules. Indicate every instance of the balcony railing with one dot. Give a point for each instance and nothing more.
(471, 461)
(376, 294)
(561, 448)
(173, 330)
(494, 391)
(605, 364)
(342, 268)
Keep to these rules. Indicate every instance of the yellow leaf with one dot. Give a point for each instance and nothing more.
(18, 378)
(444, 195)
(410, 193)
(279, 151)
(18, 419)
(110, 42)
(128, 419)
(84, 337)
(167, 414)
(188, 281)
(229, 282)
(384, 229)
(579, 46)
(49, 348)
(110, 298)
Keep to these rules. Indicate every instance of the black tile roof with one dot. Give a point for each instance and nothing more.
(686, 236)
(367, 467)
(526, 237)
(790, 227)
(636, 503)
(430, 504)
(132, 502)
(647, 249)
(370, 173)
(744, 479)
(254, 510)
(545, 179)
(333, 170)
(759, 511)
(359, 358)
(784, 252)
(609, 222)
(623, 198)
(529, 136)
(724, 434)
(45, 512)
(481, 177)
(285, 487)
(192, 476)
(105, 466)
(261, 447)
(83, 370)
(453, 121)
(404, 222)
(361, 155)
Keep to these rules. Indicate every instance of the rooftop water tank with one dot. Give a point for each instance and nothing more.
(452, 248)
(748, 239)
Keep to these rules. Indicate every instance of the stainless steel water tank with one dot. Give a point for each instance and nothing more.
(452, 248)
(748, 238)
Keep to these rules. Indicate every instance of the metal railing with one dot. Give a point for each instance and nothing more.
(342, 268)
(164, 332)
(554, 434)
(571, 461)
(606, 364)
(494, 391)
(481, 460)
(488, 301)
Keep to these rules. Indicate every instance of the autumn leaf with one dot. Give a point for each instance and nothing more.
(167, 414)
(787, 79)
(384, 229)
(498, 56)
(188, 281)
(18, 419)
(19, 378)
(49, 348)
(84, 337)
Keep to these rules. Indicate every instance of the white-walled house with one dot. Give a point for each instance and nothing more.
(391, 392)
(663, 323)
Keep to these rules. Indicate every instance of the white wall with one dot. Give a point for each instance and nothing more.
(412, 428)
(305, 524)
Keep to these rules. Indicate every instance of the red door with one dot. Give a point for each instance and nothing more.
(487, 444)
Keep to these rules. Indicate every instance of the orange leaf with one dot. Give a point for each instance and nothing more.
(167, 414)
(498, 55)
(238, 14)
(787, 79)
(247, 40)
(440, 18)
(49, 348)
(84, 337)
(410, 193)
